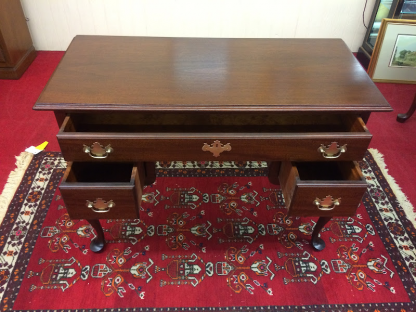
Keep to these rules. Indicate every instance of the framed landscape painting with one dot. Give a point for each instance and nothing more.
(404, 53)
(394, 56)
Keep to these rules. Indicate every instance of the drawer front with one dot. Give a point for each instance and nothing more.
(313, 196)
(326, 200)
(80, 202)
(102, 200)
(124, 147)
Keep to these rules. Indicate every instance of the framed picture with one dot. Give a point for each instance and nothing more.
(394, 55)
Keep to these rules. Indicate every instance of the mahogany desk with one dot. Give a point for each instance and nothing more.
(125, 102)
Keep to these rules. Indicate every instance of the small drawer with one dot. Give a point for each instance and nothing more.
(102, 191)
(141, 137)
(313, 189)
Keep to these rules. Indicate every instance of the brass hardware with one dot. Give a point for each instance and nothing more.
(333, 150)
(97, 150)
(100, 205)
(216, 148)
(328, 203)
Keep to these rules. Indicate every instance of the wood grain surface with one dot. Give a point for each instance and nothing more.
(200, 74)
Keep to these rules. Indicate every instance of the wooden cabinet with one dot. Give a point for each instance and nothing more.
(16, 47)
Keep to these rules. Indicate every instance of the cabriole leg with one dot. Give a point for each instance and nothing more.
(404, 117)
(98, 242)
(317, 242)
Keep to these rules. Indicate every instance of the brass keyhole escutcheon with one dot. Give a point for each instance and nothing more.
(216, 148)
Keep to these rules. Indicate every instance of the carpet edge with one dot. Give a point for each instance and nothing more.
(400, 195)
(13, 182)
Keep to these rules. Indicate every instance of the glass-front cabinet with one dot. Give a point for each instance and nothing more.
(384, 8)
(408, 10)
(399, 9)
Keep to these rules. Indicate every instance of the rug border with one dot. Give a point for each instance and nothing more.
(13, 182)
(397, 190)
(9, 222)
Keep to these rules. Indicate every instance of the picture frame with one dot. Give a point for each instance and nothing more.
(394, 56)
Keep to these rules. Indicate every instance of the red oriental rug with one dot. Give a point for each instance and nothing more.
(212, 237)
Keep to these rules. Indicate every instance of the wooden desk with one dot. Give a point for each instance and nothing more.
(125, 102)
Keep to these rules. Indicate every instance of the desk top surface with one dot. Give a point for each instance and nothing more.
(201, 74)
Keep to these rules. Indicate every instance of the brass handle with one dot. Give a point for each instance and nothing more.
(216, 148)
(100, 205)
(96, 150)
(328, 203)
(333, 150)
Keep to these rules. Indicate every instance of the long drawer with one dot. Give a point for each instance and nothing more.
(304, 139)
(102, 191)
(322, 189)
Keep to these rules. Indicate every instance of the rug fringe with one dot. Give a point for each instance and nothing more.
(13, 182)
(401, 197)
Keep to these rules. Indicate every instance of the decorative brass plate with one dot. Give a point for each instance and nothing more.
(333, 150)
(216, 148)
(96, 150)
(328, 203)
(100, 205)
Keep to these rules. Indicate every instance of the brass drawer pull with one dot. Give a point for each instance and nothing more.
(216, 148)
(97, 150)
(328, 203)
(333, 150)
(100, 205)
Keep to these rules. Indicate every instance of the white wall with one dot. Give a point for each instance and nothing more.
(53, 23)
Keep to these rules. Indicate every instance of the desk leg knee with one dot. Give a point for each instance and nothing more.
(317, 242)
(98, 242)
(274, 168)
(150, 173)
